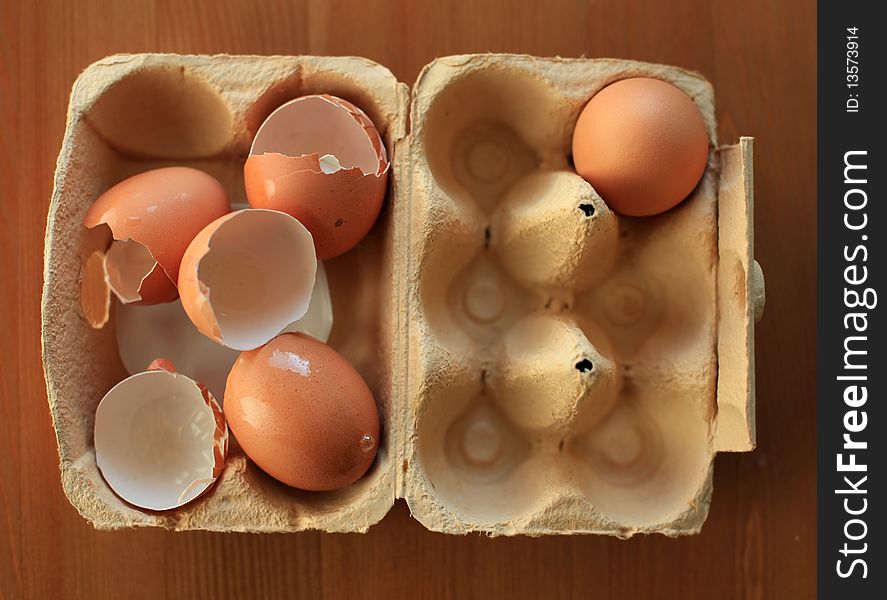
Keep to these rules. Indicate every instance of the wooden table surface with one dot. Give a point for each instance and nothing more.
(759, 540)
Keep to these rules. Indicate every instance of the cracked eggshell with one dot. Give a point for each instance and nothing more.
(160, 438)
(247, 276)
(144, 332)
(320, 159)
(303, 413)
(155, 215)
(134, 275)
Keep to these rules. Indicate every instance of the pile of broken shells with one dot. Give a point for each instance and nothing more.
(316, 179)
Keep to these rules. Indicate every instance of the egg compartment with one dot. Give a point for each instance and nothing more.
(133, 113)
(563, 361)
(541, 365)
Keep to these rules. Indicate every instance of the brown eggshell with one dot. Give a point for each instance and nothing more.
(160, 438)
(248, 275)
(302, 413)
(162, 209)
(642, 144)
(157, 287)
(135, 277)
(284, 173)
(339, 208)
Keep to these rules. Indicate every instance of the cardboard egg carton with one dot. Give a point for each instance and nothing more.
(541, 366)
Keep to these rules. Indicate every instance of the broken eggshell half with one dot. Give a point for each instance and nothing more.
(320, 159)
(160, 438)
(152, 216)
(144, 332)
(247, 276)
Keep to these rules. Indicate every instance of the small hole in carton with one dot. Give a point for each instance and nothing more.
(584, 366)
(545, 236)
(539, 388)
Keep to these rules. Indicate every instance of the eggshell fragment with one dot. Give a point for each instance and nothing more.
(303, 413)
(134, 275)
(318, 321)
(157, 213)
(95, 291)
(160, 438)
(144, 332)
(320, 159)
(247, 276)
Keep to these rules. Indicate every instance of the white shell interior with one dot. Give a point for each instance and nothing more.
(315, 125)
(164, 330)
(154, 440)
(259, 273)
(128, 264)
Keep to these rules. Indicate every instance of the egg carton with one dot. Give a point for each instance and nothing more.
(540, 365)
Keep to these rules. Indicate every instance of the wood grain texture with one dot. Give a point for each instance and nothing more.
(759, 540)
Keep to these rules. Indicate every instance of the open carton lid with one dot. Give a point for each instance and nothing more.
(740, 300)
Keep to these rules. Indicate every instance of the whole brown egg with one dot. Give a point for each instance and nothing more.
(642, 144)
(302, 413)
